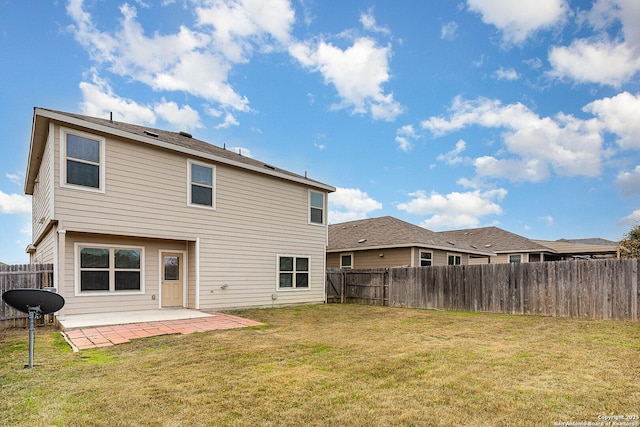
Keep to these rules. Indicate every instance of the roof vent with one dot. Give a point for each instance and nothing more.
(451, 243)
(185, 134)
(153, 134)
(362, 240)
(269, 167)
(488, 245)
(474, 246)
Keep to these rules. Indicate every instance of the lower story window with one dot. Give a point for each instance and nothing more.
(110, 269)
(293, 272)
(426, 259)
(454, 260)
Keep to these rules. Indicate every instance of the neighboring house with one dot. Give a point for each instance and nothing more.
(582, 248)
(506, 246)
(389, 242)
(135, 218)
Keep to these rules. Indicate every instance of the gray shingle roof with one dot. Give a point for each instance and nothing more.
(177, 141)
(388, 231)
(495, 239)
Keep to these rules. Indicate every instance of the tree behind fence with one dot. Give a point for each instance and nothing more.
(596, 289)
(33, 276)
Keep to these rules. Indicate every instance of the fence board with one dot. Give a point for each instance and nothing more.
(596, 289)
(33, 276)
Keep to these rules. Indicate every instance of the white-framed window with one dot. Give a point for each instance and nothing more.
(346, 260)
(426, 259)
(201, 184)
(106, 269)
(454, 259)
(316, 207)
(293, 271)
(82, 162)
(515, 258)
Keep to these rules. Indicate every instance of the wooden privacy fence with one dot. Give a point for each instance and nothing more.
(34, 276)
(595, 289)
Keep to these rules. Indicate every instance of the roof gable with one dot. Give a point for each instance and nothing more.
(175, 141)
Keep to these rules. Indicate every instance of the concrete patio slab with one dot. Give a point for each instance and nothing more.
(121, 318)
(94, 336)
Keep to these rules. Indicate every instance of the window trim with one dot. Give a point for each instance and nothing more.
(64, 131)
(453, 254)
(112, 269)
(430, 260)
(350, 267)
(293, 288)
(324, 208)
(516, 262)
(190, 183)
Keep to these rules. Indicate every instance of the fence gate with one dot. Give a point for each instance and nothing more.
(358, 286)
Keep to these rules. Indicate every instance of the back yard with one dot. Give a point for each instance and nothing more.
(339, 365)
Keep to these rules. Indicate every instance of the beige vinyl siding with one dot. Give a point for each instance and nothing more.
(393, 257)
(504, 258)
(85, 304)
(44, 253)
(256, 218)
(42, 203)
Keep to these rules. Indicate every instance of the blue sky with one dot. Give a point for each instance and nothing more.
(447, 114)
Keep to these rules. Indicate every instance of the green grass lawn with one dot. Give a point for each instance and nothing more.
(335, 365)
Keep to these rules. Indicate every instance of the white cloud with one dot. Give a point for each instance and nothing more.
(612, 57)
(632, 219)
(603, 62)
(16, 178)
(519, 19)
(507, 74)
(564, 144)
(229, 120)
(629, 181)
(348, 204)
(99, 101)
(619, 115)
(404, 136)
(185, 118)
(238, 25)
(449, 31)
(196, 62)
(357, 72)
(452, 157)
(368, 21)
(547, 219)
(14, 203)
(454, 210)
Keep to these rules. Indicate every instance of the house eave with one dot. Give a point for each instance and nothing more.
(52, 115)
(411, 245)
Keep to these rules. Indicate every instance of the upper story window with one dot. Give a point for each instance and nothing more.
(426, 259)
(316, 207)
(202, 184)
(82, 162)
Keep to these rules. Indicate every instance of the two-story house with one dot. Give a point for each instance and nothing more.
(135, 218)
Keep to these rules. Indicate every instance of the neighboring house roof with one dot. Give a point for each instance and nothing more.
(572, 248)
(390, 232)
(591, 241)
(495, 239)
(175, 141)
